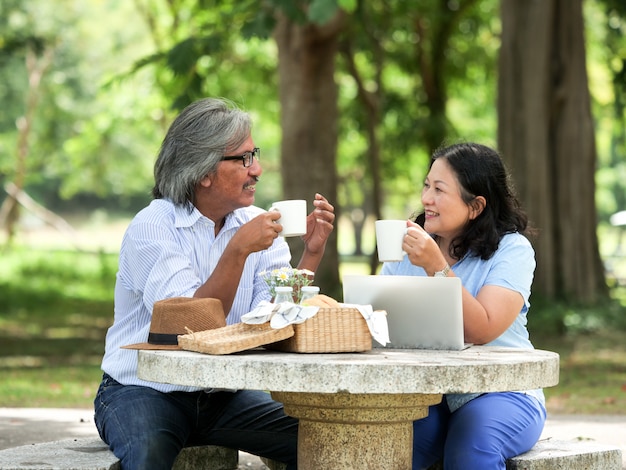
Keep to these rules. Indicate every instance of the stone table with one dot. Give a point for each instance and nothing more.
(356, 409)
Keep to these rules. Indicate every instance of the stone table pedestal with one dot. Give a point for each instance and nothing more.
(365, 430)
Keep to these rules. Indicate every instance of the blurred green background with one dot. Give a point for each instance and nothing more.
(88, 87)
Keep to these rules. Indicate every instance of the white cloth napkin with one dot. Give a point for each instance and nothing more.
(286, 313)
(279, 315)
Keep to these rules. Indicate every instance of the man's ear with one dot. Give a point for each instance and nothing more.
(206, 181)
(477, 206)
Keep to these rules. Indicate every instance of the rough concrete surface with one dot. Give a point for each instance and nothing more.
(22, 426)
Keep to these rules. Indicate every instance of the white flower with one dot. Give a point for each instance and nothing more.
(287, 276)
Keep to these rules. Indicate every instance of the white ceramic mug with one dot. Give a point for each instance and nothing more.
(389, 236)
(292, 217)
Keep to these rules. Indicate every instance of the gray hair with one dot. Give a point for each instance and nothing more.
(193, 146)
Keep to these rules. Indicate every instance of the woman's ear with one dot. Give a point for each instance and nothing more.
(477, 206)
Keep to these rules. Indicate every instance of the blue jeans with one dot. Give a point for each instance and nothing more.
(146, 429)
(482, 434)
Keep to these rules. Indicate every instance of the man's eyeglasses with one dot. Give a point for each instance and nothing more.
(247, 157)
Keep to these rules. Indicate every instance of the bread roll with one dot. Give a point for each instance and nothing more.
(321, 300)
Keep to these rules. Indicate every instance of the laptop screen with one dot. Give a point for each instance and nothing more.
(422, 312)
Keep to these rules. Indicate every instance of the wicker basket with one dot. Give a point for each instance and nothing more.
(233, 338)
(330, 330)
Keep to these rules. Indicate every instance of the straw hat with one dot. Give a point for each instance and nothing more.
(172, 317)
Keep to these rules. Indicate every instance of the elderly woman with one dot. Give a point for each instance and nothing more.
(473, 227)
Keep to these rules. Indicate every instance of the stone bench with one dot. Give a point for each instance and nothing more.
(93, 454)
(549, 454)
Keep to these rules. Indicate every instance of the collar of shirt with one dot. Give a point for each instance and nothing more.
(185, 218)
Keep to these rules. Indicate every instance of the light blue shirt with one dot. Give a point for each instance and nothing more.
(166, 252)
(512, 266)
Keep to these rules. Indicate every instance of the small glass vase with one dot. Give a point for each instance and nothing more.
(283, 294)
(307, 292)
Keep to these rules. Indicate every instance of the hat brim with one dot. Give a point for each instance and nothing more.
(170, 347)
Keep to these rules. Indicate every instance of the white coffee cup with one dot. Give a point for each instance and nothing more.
(292, 217)
(389, 236)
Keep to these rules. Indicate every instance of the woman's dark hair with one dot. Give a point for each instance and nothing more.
(480, 171)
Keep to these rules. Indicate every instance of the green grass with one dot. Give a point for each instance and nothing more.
(70, 386)
(592, 372)
(55, 308)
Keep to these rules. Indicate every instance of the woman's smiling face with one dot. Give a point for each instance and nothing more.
(446, 213)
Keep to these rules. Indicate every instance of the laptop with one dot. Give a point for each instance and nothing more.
(422, 312)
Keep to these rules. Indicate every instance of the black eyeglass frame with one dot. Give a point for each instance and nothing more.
(247, 158)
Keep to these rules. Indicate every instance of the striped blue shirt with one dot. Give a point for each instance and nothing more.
(166, 252)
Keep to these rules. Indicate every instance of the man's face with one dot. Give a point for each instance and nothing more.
(233, 186)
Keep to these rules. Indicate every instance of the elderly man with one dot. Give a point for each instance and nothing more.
(199, 238)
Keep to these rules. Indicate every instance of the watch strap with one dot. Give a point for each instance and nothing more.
(444, 272)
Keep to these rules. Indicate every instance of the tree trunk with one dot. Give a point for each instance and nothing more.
(545, 132)
(370, 102)
(36, 68)
(308, 98)
(431, 57)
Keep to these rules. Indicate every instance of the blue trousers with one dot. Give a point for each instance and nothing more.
(146, 429)
(480, 435)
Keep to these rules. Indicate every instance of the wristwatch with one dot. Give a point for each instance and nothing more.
(444, 272)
